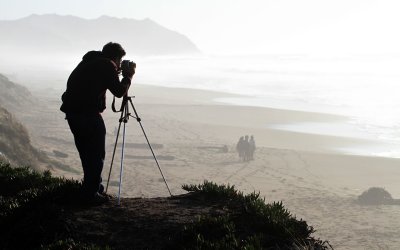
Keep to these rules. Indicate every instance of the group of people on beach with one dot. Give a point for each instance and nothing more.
(246, 147)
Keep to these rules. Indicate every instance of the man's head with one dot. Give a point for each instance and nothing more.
(114, 52)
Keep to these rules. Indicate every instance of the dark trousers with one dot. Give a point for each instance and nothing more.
(90, 136)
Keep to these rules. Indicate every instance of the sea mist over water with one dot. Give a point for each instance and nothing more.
(365, 88)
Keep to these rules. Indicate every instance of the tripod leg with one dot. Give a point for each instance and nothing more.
(121, 168)
(155, 158)
(115, 147)
(112, 159)
(151, 149)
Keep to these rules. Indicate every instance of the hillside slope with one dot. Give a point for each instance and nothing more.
(14, 97)
(15, 145)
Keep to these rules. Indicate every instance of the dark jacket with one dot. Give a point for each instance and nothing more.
(88, 83)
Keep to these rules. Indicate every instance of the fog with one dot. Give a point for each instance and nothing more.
(287, 26)
(314, 82)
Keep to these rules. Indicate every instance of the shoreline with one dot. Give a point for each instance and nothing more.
(286, 122)
(202, 107)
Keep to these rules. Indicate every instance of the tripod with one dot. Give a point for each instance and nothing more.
(125, 115)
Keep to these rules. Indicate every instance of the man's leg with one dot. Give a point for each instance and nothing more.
(89, 133)
(96, 155)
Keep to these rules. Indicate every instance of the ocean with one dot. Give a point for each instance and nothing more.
(365, 88)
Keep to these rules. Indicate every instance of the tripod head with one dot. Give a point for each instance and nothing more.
(128, 97)
(125, 100)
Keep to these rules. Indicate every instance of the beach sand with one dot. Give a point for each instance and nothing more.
(304, 171)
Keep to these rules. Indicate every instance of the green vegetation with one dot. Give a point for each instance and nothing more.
(71, 244)
(249, 224)
(32, 207)
(19, 186)
(36, 210)
(377, 196)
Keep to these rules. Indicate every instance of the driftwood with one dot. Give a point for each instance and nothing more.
(141, 145)
(60, 154)
(221, 149)
(146, 157)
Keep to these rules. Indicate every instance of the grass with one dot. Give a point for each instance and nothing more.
(35, 213)
(253, 224)
(31, 204)
(69, 243)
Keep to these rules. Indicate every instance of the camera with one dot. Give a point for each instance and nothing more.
(127, 65)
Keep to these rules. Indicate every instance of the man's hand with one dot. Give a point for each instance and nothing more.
(129, 71)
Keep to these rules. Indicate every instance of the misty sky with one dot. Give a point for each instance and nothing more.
(249, 26)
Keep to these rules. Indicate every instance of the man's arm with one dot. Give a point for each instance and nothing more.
(117, 87)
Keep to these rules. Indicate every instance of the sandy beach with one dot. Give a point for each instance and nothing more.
(304, 171)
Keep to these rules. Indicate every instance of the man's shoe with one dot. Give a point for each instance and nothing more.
(101, 189)
(96, 199)
(109, 196)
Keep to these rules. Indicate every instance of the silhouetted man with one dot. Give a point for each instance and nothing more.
(84, 101)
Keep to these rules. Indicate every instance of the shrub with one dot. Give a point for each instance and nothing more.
(257, 225)
(30, 207)
(375, 196)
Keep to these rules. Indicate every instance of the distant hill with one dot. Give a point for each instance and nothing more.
(69, 34)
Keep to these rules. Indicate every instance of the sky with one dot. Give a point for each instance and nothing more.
(249, 26)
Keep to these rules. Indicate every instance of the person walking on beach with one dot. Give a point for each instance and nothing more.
(240, 148)
(83, 102)
(246, 147)
(252, 148)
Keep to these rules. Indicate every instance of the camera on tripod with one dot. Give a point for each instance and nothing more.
(127, 65)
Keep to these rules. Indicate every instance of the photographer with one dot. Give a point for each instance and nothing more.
(83, 102)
